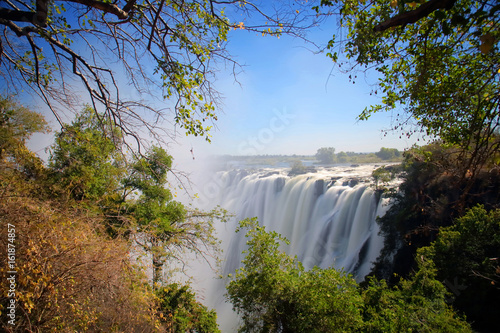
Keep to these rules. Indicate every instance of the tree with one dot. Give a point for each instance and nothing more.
(159, 48)
(466, 255)
(88, 164)
(383, 175)
(86, 159)
(273, 293)
(18, 124)
(325, 155)
(438, 67)
(164, 227)
(342, 157)
(65, 273)
(388, 153)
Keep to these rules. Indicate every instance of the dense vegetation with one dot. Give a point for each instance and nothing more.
(70, 224)
(432, 205)
(273, 293)
(73, 225)
(77, 219)
(438, 76)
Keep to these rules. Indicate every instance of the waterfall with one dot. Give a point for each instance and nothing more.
(328, 223)
(329, 217)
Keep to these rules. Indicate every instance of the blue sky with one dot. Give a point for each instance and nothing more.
(289, 100)
(285, 78)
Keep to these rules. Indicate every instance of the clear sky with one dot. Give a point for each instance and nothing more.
(293, 101)
(288, 101)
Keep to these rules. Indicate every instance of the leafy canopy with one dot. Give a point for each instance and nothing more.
(85, 158)
(325, 155)
(418, 304)
(467, 259)
(17, 125)
(181, 312)
(438, 65)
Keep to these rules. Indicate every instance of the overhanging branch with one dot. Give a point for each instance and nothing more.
(413, 16)
(37, 18)
(16, 15)
(107, 7)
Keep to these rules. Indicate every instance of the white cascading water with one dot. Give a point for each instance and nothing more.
(328, 222)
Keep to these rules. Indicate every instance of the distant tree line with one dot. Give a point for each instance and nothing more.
(326, 155)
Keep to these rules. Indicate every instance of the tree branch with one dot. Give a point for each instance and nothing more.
(107, 7)
(413, 16)
(130, 4)
(16, 15)
(38, 18)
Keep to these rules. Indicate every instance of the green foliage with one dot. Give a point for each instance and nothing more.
(86, 159)
(470, 247)
(383, 174)
(325, 155)
(88, 164)
(148, 176)
(388, 153)
(433, 193)
(438, 71)
(181, 312)
(342, 157)
(298, 168)
(273, 293)
(162, 226)
(467, 257)
(169, 49)
(181, 44)
(416, 305)
(17, 124)
(154, 212)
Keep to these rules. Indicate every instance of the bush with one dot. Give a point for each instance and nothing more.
(181, 312)
(414, 305)
(70, 276)
(298, 168)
